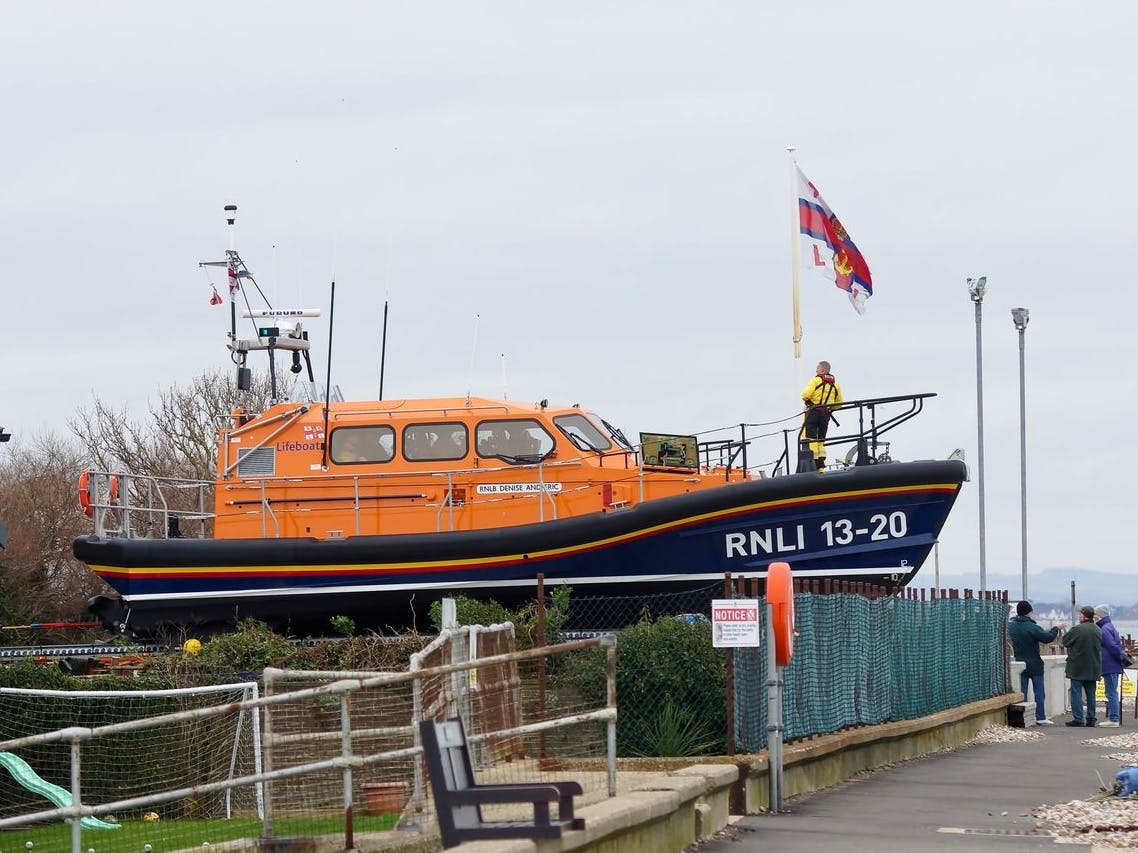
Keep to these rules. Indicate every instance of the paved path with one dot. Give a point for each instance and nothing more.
(971, 799)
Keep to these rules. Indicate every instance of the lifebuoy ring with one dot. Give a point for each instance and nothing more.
(85, 492)
(780, 596)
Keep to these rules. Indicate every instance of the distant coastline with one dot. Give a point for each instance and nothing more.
(1050, 588)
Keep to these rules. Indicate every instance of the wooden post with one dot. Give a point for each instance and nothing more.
(729, 678)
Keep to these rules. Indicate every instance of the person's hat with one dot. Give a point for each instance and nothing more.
(1102, 611)
(1023, 608)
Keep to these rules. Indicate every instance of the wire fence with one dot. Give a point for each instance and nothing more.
(863, 661)
(861, 657)
(341, 754)
(591, 614)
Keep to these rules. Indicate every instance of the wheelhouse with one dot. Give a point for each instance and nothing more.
(431, 466)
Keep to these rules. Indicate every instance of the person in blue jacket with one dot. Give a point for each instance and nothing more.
(1111, 664)
(1026, 636)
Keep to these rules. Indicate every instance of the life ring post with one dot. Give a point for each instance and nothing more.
(780, 649)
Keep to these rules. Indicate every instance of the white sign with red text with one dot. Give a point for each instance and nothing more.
(735, 623)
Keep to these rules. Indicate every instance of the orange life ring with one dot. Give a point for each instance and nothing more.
(85, 492)
(780, 596)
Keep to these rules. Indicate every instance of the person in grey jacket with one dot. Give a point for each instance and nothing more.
(1084, 665)
(1026, 636)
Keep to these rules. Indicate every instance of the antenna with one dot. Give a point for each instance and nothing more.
(383, 349)
(232, 262)
(505, 396)
(473, 349)
(328, 380)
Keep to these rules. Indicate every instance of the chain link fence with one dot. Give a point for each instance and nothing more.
(592, 614)
(861, 661)
(858, 660)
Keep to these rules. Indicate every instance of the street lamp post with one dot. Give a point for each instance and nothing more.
(4, 436)
(976, 289)
(1020, 318)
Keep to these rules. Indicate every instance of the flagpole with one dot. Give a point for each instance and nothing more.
(796, 316)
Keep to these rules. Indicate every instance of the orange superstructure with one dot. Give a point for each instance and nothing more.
(431, 465)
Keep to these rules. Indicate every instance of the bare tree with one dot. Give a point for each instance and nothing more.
(178, 439)
(39, 578)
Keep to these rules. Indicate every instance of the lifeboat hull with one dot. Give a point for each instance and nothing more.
(872, 524)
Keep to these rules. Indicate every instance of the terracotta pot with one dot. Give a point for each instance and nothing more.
(384, 797)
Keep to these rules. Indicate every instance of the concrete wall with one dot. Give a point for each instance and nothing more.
(666, 815)
(1056, 687)
(686, 805)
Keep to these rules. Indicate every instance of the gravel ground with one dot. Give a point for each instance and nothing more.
(1005, 734)
(1108, 822)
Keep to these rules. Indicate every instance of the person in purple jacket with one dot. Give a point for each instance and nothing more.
(1111, 664)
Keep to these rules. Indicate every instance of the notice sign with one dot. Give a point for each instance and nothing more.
(735, 623)
(1127, 689)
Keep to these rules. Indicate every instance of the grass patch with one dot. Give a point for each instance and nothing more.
(166, 835)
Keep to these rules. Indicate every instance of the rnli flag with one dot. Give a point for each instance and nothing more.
(827, 246)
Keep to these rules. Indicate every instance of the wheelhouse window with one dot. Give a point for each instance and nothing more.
(354, 445)
(519, 442)
(583, 432)
(434, 442)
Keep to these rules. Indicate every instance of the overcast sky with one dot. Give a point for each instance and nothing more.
(607, 186)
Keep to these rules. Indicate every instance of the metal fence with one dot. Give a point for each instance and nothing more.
(861, 660)
(342, 732)
(862, 656)
(594, 614)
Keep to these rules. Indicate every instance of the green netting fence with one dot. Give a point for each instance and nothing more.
(861, 661)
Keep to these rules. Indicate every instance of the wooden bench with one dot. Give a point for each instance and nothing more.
(459, 799)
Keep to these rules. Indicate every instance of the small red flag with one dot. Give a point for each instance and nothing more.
(216, 298)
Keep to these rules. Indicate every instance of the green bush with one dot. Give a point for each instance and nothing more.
(475, 611)
(249, 649)
(664, 664)
(675, 731)
(30, 676)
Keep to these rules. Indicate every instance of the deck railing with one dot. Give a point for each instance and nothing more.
(140, 506)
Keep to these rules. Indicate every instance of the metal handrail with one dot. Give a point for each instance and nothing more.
(865, 437)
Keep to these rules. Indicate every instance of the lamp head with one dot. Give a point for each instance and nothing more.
(976, 288)
(1020, 317)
